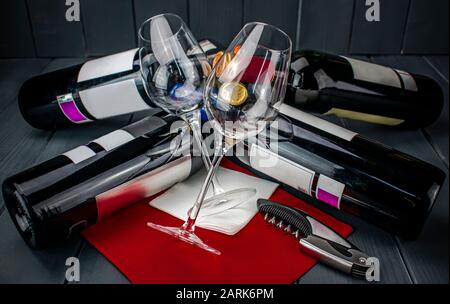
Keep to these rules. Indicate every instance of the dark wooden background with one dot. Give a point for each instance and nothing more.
(38, 28)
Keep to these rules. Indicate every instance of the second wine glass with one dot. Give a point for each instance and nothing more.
(173, 70)
(241, 95)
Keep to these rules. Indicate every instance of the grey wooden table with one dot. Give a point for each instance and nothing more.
(21, 146)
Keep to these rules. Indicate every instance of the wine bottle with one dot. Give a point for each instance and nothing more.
(344, 170)
(59, 197)
(98, 89)
(349, 88)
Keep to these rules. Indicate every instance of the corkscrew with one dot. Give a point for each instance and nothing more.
(316, 239)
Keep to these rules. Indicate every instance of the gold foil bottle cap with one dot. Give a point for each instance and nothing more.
(233, 93)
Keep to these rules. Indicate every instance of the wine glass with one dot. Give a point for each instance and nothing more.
(241, 96)
(173, 70)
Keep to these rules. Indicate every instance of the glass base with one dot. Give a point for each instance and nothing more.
(184, 235)
(226, 200)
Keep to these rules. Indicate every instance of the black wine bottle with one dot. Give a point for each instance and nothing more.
(344, 170)
(98, 89)
(349, 88)
(58, 198)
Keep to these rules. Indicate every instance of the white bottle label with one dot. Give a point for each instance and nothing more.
(108, 65)
(114, 139)
(408, 81)
(374, 73)
(329, 191)
(113, 99)
(79, 154)
(281, 169)
(316, 122)
(299, 64)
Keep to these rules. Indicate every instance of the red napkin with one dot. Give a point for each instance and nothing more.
(259, 253)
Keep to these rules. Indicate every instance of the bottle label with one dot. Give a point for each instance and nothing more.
(329, 191)
(79, 154)
(108, 65)
(316, 122)
(114, 139)
(70, 110)
(374, 73)
(108, 142)
(281, 169)
(207, 45)
(113, 99)
(299, 64)
(408, 81)
(144, 186)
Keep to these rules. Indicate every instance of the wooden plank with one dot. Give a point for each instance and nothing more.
(54, 35)
(145, 9)
(326, 25)
(427, 28)
(20, 264)
(227, 19)
(13, 72)
(383, 37)
(283, 15)
(440, 63)
(426, 258)
(97, 269)
(18, 140)
(16, 39)
(108, 26)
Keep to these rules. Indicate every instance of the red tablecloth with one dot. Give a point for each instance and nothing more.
(257, 254)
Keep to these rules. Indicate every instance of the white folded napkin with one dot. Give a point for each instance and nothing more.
(180, 198)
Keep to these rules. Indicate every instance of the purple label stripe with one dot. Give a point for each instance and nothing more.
(328, 198)
(70, 109)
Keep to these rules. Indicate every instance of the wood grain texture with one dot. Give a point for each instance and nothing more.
(16, 39)
(440, 64)
(13, 72)
(326, 25)
(383, 37)
(20, 144)
(215, 19)
(20, 264)
(145, 9)
(54, 35)
(97, 269)
(427, 28)
(427, 258)
(283, 15)
(109, 26)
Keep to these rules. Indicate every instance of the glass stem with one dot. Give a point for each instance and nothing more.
(193, 119)
(189, 225)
